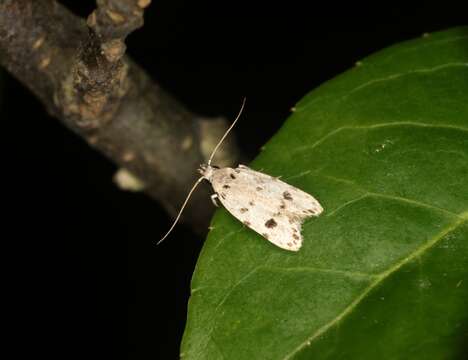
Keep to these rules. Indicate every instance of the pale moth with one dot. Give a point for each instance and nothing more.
(265, 204)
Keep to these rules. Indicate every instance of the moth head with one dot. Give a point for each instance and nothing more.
(207, 171)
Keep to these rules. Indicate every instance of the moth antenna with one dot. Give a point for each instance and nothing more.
(226, 133)
(181, 209)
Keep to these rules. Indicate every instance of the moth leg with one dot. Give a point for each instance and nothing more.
(213, 199)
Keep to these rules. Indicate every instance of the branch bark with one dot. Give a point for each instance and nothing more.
(79, 71)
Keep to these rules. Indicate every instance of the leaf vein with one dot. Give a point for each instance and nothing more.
(375, 126)
(391, 197)
(418, 252)
(366, 193)
(351, 274)
(398, 75)
(383, 79)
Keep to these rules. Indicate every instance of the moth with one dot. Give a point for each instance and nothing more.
(263, 203)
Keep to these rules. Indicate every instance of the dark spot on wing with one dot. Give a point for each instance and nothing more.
(226, 187)
(258, 188)
(289, 244)
(223, 195)
(215, 167)
(294, 230)
(232, 176)
(283, 206)
(251, 203)
(271, 223)
(237, 171)
(247, 223)
(287, 195)
(243, 210)
(265, 235)
(293, 219)
(295, 237)
(312, 211)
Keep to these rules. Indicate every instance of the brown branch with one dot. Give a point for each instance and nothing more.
(113, 20)
(82, 77)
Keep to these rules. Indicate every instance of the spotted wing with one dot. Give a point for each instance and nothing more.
(271, 207)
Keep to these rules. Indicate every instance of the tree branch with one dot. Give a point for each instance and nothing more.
(113, 21)
(80, 73)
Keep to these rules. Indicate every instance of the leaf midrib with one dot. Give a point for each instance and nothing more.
(378, 278)
(463, 218)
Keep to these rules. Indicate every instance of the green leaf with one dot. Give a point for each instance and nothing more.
(383, 272)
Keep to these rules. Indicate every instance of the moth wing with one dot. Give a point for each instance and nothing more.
(259, 201)
(295, 200)
(280, 229)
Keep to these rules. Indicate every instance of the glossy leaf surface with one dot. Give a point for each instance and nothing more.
(383, 273)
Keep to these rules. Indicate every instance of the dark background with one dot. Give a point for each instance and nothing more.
(85, 276)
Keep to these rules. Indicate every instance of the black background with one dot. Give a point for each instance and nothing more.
(86, 279)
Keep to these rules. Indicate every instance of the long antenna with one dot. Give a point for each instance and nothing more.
(181, 209)
(202, 177)
(226, 133)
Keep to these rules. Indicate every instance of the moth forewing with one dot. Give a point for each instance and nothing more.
(267, 205)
